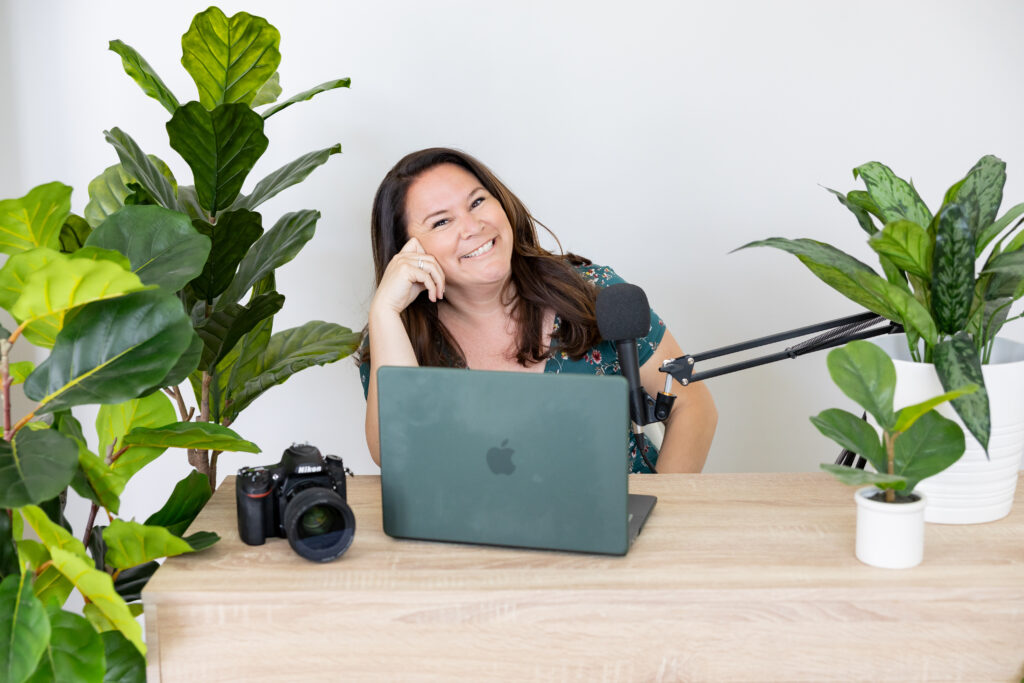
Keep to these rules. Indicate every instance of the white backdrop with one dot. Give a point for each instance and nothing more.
(655, 137)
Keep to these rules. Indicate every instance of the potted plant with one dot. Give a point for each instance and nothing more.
(911, 444)
(949, 278)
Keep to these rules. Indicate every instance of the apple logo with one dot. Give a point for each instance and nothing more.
(500, 459)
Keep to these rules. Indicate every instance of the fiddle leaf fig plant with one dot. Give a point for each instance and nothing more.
(232, 299)
(948, 277)
(915, 442)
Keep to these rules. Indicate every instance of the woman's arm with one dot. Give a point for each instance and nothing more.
(690, 426)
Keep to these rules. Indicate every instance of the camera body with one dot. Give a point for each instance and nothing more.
(301, 498)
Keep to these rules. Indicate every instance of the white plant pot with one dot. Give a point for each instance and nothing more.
(975, 489)
(889, 535)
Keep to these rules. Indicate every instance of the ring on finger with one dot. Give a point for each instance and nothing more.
(419, 263)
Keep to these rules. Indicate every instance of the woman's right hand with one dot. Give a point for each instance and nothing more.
(410, 272)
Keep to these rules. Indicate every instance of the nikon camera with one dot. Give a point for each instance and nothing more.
(301, 498)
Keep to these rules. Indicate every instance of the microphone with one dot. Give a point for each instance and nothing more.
(623, 316)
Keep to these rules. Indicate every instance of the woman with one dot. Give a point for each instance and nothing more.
(462, 281)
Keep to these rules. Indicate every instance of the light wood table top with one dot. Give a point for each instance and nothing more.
(734, 577)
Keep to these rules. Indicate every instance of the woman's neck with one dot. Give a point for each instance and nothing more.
(476, 306)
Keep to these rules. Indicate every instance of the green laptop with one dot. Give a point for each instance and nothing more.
(507, 458)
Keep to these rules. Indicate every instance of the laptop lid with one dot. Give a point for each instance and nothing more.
(504, 458)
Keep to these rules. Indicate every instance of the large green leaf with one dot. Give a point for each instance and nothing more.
(201, 435)
(220, 146)
(34, 220)
(862, 214)
(981, 193)
(895, 197)
(114, 421)
(98, 588)
(65, 284)
(853, 476)
(278, 246)
(130, 544)
(143, 74)
(226, 326)
(957, 364)
(852, 433)
(229, 59)
(104, 485)
(111, 351)
(188, 362)
(991, 232)
(231, 237)
(130, 582)
(242, 363)
(73, 234)
(907, 245)
(24, 628)
(74, 653)
(952, 271)
(125, 664)
(36, 466)
(908, 415)
(286, 176)
(931, 445)
(163, 247)
(268, 92)
(50, 534)
(19, 268)
(865, 374)
(188, 498)
(51, 587)
(141, 167)
(308, 95)
(108, 190)
(287, 352)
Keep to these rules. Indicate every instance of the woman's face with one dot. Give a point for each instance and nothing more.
(461, 224)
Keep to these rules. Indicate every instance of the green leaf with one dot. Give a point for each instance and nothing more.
(226, 326)
(8, 547)
(142, 168)
(286, 353)
(108, 190)
(73, 234)
(931, 445)
(278, 246)
(19, 268)
(952, 271)
(98, 588)
(201, 540)
(50, 534)
(162, 246)
(35, 467)
(220, 146)
(907, 245)
(74, 653)
(993, 230)
(24, 628)
(852, 433)
(105, 486)
(130, 582)
(895, 197)
(51, 587)
(188, 498)
(231, 237)
(863, 200)
(111, 351)
(229, 59)
(908, 415)
(269, 92)
(20, 370)
(307, 95)
(1008, 262)
(124, 662)
(957, 364)
(286, 176)
(862, 214)
(201, 435)
(130, 544)
(981, 193)
(64, 284)
(143, 74)
(242, 363)
(865, 374)
(34, 220)
(188, 362)
(114, 421)
(857, 477)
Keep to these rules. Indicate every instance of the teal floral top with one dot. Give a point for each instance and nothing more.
(600, 360)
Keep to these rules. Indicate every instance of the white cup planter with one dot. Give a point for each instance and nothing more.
(889, 535)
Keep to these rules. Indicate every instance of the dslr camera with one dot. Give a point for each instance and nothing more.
(301, 498)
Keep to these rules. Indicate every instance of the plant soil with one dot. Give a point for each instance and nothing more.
(880, 497)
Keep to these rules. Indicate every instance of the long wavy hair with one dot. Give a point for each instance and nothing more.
(540, 279)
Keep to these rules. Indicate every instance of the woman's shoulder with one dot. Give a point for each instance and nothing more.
(600, 276)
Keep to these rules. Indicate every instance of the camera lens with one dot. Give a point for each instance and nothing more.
(319, 524)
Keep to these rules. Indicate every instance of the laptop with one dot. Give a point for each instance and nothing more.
(507, 458)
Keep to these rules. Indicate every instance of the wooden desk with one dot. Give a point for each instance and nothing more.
(735, 577)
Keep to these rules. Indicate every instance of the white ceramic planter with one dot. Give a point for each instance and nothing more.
(975, 489)
(889, 535)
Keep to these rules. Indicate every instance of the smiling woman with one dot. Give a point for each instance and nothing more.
(462, 281)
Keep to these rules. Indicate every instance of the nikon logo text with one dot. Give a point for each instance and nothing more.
(307, 469)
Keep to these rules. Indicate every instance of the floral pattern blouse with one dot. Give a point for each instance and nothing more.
(600, 360)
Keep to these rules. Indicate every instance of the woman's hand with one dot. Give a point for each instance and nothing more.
(409, 273)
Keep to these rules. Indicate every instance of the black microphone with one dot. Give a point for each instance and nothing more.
(623, 316)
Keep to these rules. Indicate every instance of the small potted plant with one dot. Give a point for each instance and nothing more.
(910, 444)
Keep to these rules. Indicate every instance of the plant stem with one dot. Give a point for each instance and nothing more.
(890, 454)
(213, 469)
(115, 456)
(88, 525)
(5, 377)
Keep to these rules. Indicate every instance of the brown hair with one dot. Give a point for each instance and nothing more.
(540, 279)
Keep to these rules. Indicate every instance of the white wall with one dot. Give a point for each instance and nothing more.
(655, 137)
